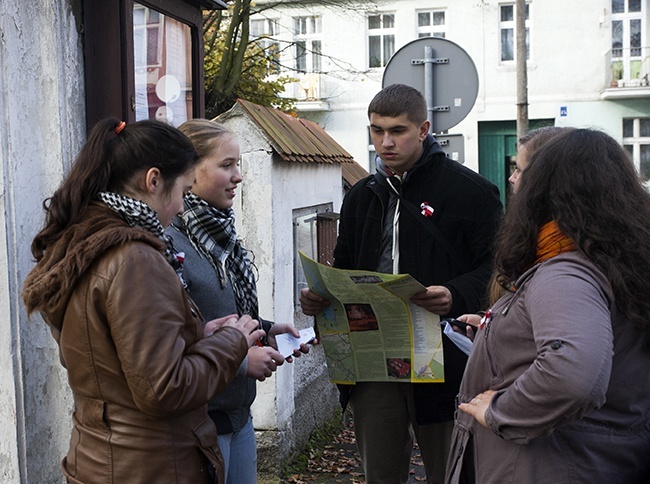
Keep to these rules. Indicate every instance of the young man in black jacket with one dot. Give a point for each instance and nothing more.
(379, 232)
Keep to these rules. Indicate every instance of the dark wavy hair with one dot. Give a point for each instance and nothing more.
(110, 162)
(531, 142)
(587, 183)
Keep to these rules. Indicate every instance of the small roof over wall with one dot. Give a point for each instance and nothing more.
(352, 173)
(295, 139)
(299, 140)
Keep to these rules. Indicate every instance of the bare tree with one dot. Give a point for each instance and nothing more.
(238, 66)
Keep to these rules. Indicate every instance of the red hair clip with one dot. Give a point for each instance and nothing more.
(119, 127)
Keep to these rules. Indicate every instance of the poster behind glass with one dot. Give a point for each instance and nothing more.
(163, 67)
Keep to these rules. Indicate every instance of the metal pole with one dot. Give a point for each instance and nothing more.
(522, 73)
(428, 83)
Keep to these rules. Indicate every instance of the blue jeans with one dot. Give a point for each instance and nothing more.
(240, 455)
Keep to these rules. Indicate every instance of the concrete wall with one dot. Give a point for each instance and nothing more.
(299, 396)
(41, 129)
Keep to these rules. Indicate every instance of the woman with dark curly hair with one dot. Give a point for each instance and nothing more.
(528, 144)
(556, 387)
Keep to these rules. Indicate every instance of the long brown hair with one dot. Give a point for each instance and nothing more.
(109, 162)
(587, 183)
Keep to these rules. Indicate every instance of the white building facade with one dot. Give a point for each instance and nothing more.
(588, 65)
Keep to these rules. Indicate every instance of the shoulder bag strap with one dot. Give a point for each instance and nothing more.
(435, 231)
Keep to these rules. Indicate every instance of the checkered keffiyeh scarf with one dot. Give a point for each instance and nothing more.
(139, 214)
(212, 232)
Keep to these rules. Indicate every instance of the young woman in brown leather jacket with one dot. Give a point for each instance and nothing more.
(141, 362)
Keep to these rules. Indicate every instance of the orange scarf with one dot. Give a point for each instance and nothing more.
(551, 241)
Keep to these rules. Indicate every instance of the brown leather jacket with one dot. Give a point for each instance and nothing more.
(138, 365)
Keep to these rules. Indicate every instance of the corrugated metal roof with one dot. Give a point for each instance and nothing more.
(352, 173)
(296, 139)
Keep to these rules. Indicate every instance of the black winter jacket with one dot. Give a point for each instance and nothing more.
(467, 210)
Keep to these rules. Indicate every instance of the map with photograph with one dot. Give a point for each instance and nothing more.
(370, 331)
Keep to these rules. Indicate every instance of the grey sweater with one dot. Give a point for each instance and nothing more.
(230, 409)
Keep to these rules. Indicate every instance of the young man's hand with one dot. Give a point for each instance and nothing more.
(311, 303)
(436, 299)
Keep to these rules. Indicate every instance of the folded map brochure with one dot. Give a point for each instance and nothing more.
(370, 331)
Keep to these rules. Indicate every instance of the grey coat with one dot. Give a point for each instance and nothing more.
(572, 381)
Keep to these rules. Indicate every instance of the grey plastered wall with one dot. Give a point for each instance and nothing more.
(41, 129)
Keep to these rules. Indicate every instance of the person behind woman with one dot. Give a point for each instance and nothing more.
(527, 145)
(220, 279)
(108, 282)
(556, 387)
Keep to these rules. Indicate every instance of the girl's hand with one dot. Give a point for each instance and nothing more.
(291, 329)
(473, 321)
(248, 326)
(262, 362)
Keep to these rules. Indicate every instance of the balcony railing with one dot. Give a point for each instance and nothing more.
(307, 88)
(628, 67)
(307, 91)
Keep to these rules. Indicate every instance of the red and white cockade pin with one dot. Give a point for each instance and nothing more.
(486, 319)
(427, 210)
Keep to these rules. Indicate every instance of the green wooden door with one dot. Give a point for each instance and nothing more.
(497, 148)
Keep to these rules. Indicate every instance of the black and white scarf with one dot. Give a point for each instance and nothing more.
(138, 214)
(212, 233)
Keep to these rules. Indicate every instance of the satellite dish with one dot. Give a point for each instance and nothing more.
(443, 72)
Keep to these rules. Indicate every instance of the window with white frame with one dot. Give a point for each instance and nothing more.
(507, 31)
(307, 41)
(263, 32)
(636, 140)
(628, 31)
(381, 39)
(431, 23)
